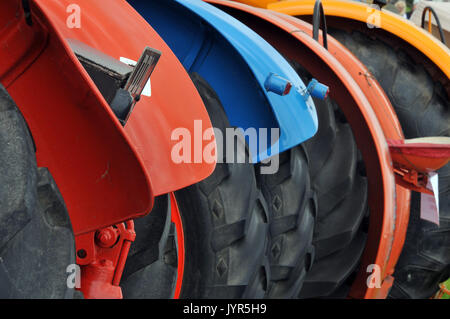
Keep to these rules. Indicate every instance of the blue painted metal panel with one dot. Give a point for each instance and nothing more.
(236, 62)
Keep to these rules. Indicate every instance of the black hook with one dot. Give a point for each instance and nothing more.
(318, 18)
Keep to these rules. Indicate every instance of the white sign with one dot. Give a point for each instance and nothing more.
(429, 204)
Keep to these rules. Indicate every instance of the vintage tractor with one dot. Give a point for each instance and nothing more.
(85, 142)
(311, 194)
(413, 69)
(212, 44)
(109, 143)
(198, 34)
(226, 218)
(346, 188)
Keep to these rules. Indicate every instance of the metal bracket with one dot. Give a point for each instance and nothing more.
(411, 179)
(413, 159)
(102, 255)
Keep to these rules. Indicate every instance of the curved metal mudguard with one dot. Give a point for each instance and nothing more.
(173, 103)
(107, 173)
(237, 63)
(370, 115)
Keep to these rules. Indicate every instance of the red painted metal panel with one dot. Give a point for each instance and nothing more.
(106, 173)
(119, 31)
(77, 137)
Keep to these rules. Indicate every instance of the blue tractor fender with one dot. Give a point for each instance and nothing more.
(250, 77)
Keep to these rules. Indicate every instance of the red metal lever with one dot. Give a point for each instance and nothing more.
(102, 260)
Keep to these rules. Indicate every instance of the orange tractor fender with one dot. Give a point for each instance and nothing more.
(372, 117)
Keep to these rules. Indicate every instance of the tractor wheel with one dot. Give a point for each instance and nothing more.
(151, 268)
(423, 109)
(225, 223)
(225, 226)
(338, 179)
(36, 238)
(292, 208)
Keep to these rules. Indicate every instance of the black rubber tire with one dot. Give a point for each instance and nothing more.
(338, 179)
(151, 268)
(292, 210)
(225, 224)
(423, 109)
(36, 238)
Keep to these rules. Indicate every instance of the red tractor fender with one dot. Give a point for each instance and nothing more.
(107, 173)
(368, 111)
(76, 134)
(174, 102)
